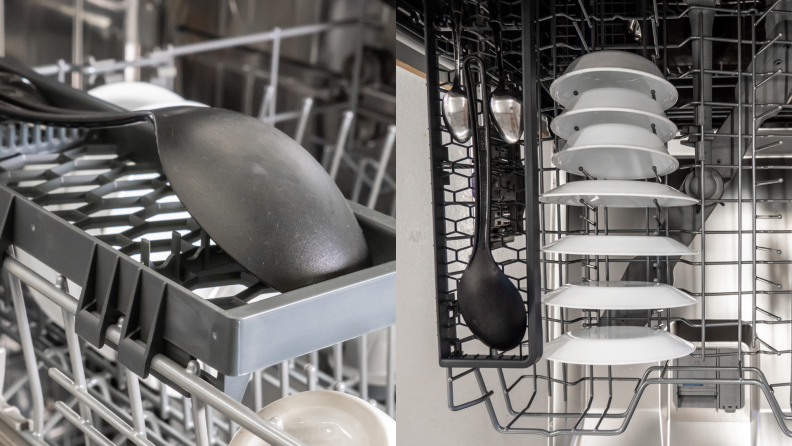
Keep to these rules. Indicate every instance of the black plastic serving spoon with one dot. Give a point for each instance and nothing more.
(488, 300)
(258, 194)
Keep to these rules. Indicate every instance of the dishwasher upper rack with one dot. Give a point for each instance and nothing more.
(161, 314)
(562, 32)
(514, 239)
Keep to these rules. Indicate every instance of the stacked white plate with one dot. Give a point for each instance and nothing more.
(616, 130)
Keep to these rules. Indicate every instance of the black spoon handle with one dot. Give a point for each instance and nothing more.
(481, 161)
(80, 119)
(495, 24)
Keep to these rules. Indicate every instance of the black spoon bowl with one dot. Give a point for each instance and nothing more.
(488, 300)
(257, 193)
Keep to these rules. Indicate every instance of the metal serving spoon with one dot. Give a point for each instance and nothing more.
(488, 300)
(258, 194)
(456, 109)
(506, 108)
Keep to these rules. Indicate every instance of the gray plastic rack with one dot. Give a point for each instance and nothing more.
(161, 314)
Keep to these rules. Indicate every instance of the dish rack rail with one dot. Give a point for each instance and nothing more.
(540, 40)
(95, 210)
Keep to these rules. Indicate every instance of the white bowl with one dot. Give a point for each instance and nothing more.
(617, 296)
(609, 68)
(616, 152)
(613, 106)
(617, 194)
(326, 418)
(618, 245)
(616, 346)
(134, 95)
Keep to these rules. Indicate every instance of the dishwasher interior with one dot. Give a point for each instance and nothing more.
(729, 63)
(216, 344)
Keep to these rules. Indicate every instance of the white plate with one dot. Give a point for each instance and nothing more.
(616, 346)
(134, 95)
(182, 103)
(616, 152)
(618, 245)
(610, 68)
(618, 296)
(617, 194)
(326, 418)
(614, 106)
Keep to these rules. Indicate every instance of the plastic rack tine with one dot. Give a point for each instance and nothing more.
(762, 248)
(340, 146)
(311, 370)
(284, 378)
(382, 166)
(305, 113)
(390, 384)
(769, 217)
(73, 343)
(28, 351)
(769, 282)
(338, 367)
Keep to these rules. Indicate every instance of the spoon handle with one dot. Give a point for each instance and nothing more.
(456, 19)
(481, 160)
(495, 24)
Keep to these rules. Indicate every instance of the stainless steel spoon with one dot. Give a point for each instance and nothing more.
(506, 108)
(488, 300)
(456, 109)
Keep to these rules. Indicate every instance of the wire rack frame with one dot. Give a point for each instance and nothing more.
(564, 31)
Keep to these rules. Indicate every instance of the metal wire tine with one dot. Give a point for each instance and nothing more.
(522, 412)
(341, 143)
(586, 173)
(382, 166)
(582, 39)
(84, 425)
(770, 347)
(589, 221)
(769, 112)
(305, 113)
(776, 3)
(762, 248)
(769, 78)
(768, 44)
(771, 145)
(663, 372)
(769, 282)
(583, 202)
(762, 310)
(769, 182)
(770, 217)
(657, 176)
(591, 400)
(585, 13)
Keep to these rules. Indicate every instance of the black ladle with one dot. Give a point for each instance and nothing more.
(259, 195)
(506, 108)
(488, 300)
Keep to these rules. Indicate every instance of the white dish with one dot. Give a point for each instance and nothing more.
(616, 152)
(618, 296)
(616, 346)
(617, 194)
(134, 95)
(602, 69)
(614, 106)
(326, 418)
(618, 245)
(182, 103)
